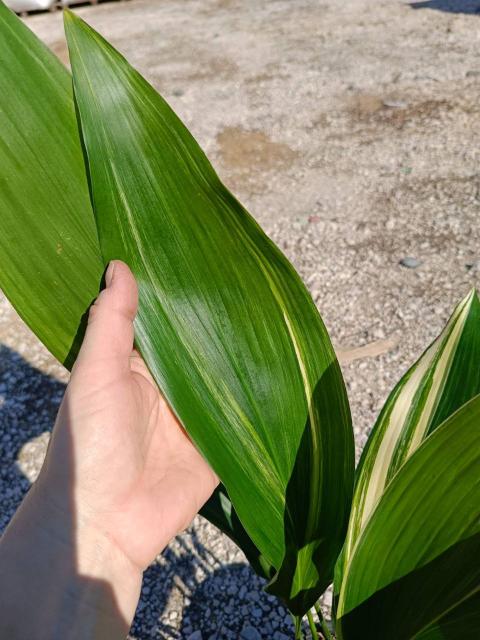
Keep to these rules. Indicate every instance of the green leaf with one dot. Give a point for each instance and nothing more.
(50, 260)
(227, 328)
(417, 558)
(220, 512)
(445, 377)
(462, 622)
(52, 275)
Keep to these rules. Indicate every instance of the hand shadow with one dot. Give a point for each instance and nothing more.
(30, 401)
(185, 573)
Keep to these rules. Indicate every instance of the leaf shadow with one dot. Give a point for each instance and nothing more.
(406, 606)
(322, 543)
(469, 7)
(230, 599)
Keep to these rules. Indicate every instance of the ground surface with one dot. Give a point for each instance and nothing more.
(350, 130)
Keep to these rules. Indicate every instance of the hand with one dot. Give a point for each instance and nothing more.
(138, 479)
(120, 479)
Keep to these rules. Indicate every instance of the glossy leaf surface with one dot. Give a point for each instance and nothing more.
(49, 286)
(445, 377)
(417, 558)
(226, 326)
(50, 263)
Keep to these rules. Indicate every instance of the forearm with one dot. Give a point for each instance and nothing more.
(61, 580)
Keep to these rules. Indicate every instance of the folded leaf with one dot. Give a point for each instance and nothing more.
(445, 377)
(417, 558)
(50, 259)
(35, 285)
(220, 512)
(227, 328)
(51, 284)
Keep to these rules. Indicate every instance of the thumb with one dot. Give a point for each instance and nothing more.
(110, 332)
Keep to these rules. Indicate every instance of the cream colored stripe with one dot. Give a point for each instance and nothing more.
(439, 378)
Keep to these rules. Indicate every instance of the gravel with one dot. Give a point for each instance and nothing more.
(351, 133)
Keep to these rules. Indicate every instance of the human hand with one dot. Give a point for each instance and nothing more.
(120, 479)
(120, 471)
(138, 479)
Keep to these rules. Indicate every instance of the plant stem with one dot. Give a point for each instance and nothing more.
(313, 628)
(297, 621)
(323, 623)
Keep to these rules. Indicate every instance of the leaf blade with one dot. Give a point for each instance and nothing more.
(443, 379)
(49, 252)
(418, 551)
(256, 390)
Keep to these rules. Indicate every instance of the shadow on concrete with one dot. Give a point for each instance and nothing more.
(230, 599)
(470, 7)
(217, 599)
(30, 400)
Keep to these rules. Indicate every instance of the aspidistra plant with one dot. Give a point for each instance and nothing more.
(225, 324)
(102, 168)
(402, 472)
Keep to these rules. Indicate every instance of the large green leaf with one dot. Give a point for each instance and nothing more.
(417, 558)
(50, 263)
(51, 282)
(445, 377)
(225, 324)
(461, 623)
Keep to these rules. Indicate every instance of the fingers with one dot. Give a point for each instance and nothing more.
(110, 332)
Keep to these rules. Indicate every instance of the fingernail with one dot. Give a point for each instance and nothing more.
(109, 274)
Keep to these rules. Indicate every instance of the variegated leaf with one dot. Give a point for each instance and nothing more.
(227, 328)
(445, 377)
(416, 561)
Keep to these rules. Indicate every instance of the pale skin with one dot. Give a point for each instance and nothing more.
(120, 480)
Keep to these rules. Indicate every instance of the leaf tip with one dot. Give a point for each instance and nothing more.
(68, 16)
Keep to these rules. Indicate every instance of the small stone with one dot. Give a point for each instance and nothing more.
(410, 262)
(473, 73)
(278, 635)
(395, 104)
(250, 633)
(196, 635)
(177, 92)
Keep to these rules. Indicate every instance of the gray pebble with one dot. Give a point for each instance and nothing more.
(250, 633)
(410, 262)
(196, 635)
(395, 104)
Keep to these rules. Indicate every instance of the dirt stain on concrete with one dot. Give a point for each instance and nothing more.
(244, 150)
(376, 110)
(249, 156)
(211, 68)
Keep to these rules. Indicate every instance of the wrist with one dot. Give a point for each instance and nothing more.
(93, 589)
(97, 559)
